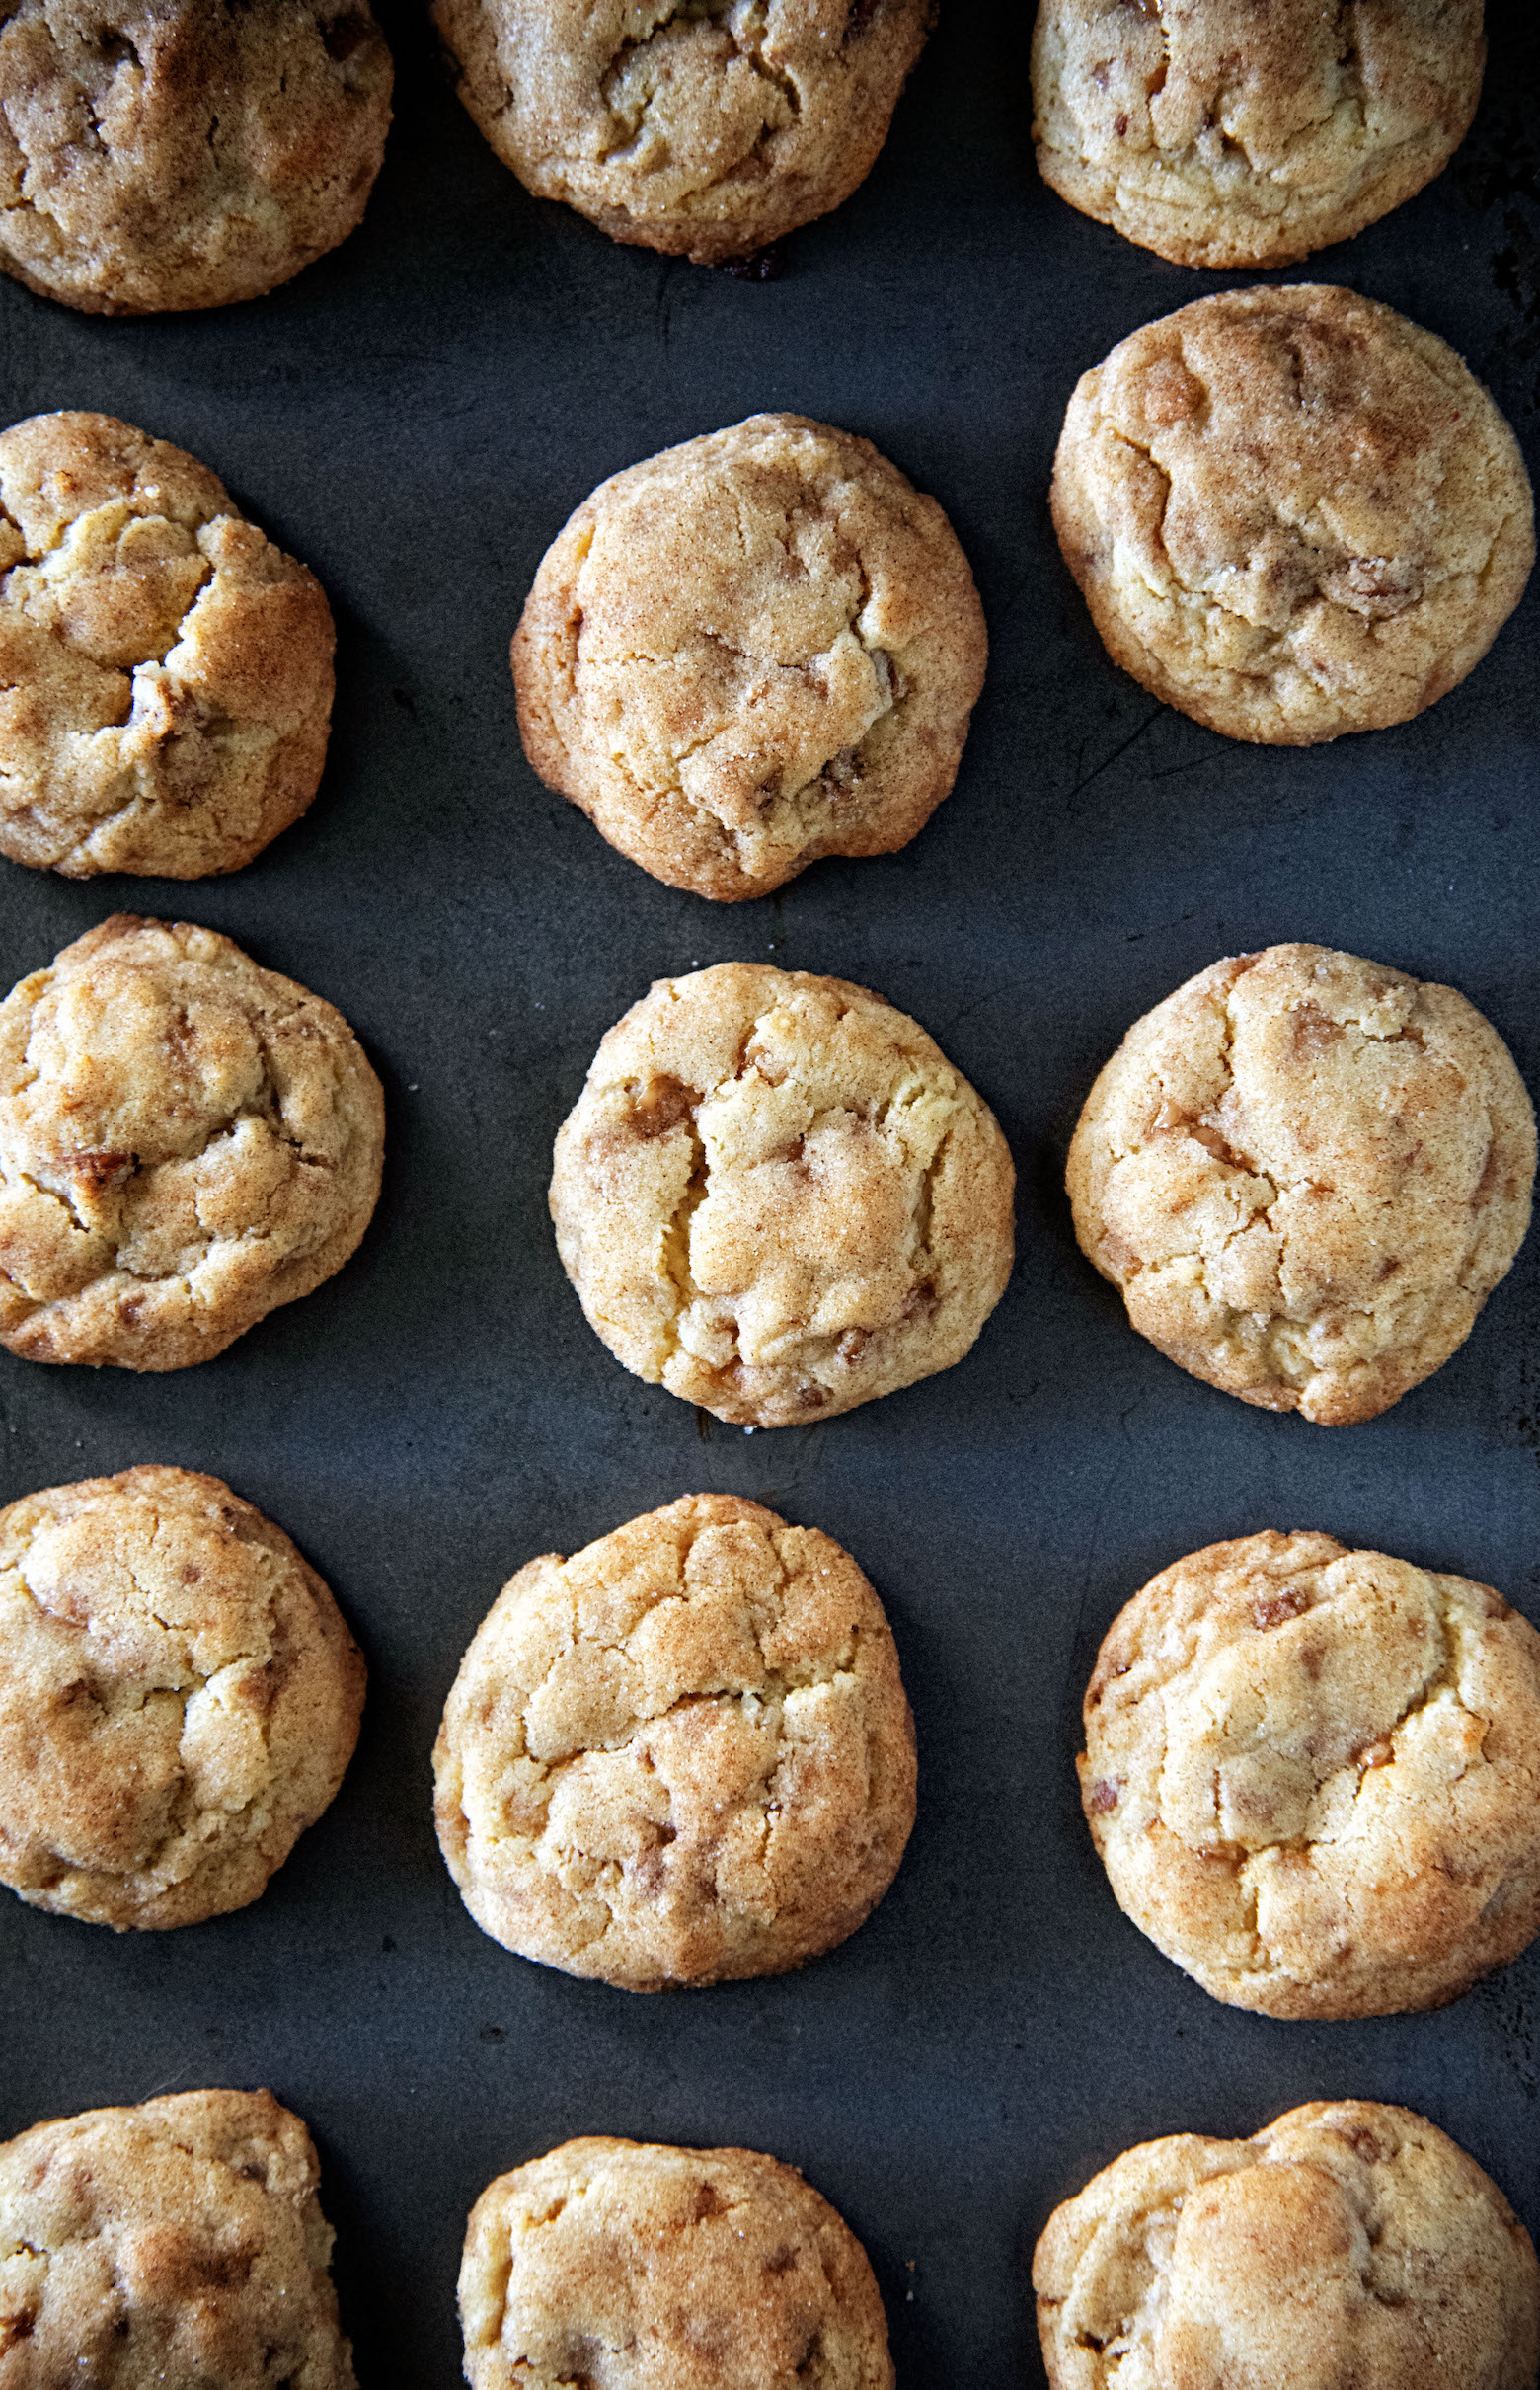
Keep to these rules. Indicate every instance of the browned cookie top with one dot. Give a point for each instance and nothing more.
(161, 154)
(707, 126)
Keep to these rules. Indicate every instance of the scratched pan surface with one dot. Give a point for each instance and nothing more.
(416, 416)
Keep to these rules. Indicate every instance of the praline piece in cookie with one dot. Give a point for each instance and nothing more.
(703, 131)
(179, 1698)
(754, 649)
(1249, 133)
(165, 670)
(1311, 1775)
(187, 1141)
(1292, 512)
(651, 2266)
(1349, 2242)
(1306, 1173)
(179, 2243)
(776, 1197)
(165, 154)
(682, 1756)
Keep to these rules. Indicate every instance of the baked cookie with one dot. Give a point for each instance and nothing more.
(646, 2267)
(682, 1756)
(165, 670)
(159, 154)
(754, 649)
(1305, 1173)
(1313, 1776)
(776, 1197)
(179, 1698)
(1348, 2243)
(1291, 512)
(1248, 132)
(187, 1141)
(706, 131)
(180, 2243)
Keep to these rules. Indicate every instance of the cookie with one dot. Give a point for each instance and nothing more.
(1313, 1776)
(165, 670)
(179, 2243)
(179, 1698)
(682, 1756)
(1348, 2243)
(163, 154)
(1305, 1173)
(1249, 133)
(1291, 512)
(704, 132)
(646, 2267)
(776, 1197)
(187, 1141)
(754, 649)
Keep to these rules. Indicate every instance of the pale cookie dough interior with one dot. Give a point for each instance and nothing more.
(165, 670)
(1313, 1776)
(1249, 133)
(708, 127)
(753, 650)
(179, 1698)
(174, 2244)
(776, 1197)
(682, 1756)
(1292, 512)
(639, 2266)
(1306, 1174)
(1350, 2243)
(165, 154)
(187, 1141)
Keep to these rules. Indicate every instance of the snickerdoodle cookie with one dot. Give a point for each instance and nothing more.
(648, 2268)
(1313, 1776)
(1292, 512)
(178, 2244)
(165, 670)
(187, 1141)
(707, 127)
(751, 650)
(161, 154)
(1348, 2243)
(1306, 1173)
(682, 1756)
(1249, 133)
(776, 1197)
(179, 1698)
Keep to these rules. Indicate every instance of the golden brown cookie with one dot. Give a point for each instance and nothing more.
(1249, 133)
(646, 2267)
(776, 1197)
(1292, 512)
(1305, 1173)
(705, 130)
(159, 154)
(754, 649)
(178, 2244)
(682, 1756)
(187, 1141)
(165, 670)
(179, 1698)
(1313, 1776)
(1350, 2243)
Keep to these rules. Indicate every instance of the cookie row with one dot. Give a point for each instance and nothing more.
(1292, 514)
(1349, 2241)
(155, 158)
(684, 1755)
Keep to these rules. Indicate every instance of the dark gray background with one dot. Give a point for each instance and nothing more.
(416, 416)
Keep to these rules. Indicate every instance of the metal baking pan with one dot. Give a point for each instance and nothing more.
(415, 417)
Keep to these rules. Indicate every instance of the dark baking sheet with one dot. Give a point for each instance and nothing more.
(416, 416)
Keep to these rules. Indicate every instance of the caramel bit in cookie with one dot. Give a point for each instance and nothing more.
(1271, 1609)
